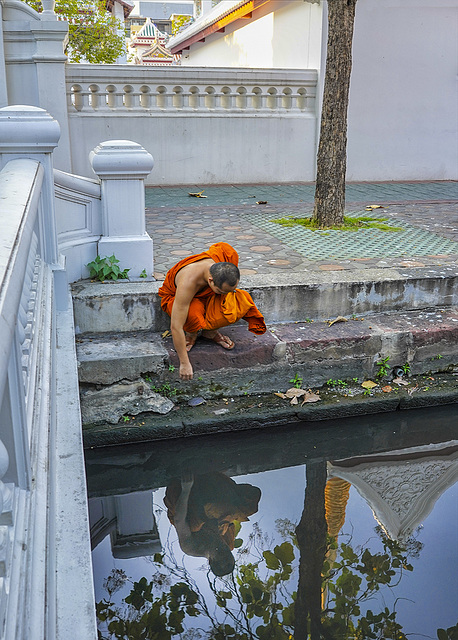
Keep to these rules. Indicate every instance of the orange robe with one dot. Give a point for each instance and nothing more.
(209, 310)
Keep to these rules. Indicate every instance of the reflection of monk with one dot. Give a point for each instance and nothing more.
(200, 293)
(204, 510)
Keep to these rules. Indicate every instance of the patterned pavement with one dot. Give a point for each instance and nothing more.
(426, 213)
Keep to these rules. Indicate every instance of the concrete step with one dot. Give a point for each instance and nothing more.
(427, 340)
(286, 297)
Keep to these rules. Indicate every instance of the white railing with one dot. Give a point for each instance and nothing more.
(103, 89)
(41, 455)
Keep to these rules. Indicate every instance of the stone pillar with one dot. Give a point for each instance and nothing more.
(122, 167)
(30, 132)
(34, 59)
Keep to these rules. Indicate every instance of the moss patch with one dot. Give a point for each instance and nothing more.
(349, 224)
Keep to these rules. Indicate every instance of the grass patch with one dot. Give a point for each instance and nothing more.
(349, 224)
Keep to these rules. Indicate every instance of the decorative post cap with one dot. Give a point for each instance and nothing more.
(121, 159)
(24, 128)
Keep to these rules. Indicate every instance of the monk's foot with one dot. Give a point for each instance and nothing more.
(216, 336)
(190, 340)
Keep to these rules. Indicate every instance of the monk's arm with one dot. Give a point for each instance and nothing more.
(178, 318)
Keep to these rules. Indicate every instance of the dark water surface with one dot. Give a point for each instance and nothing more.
(343, 529)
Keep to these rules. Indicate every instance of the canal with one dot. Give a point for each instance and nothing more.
(338, 529)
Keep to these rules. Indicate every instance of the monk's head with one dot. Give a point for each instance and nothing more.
(224, 277)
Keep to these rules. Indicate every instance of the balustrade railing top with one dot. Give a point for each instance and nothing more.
(102, 89)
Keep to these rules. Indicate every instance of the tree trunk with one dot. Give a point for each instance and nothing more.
(332, 149)
(311, 539)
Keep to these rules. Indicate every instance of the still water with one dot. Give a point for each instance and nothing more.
(344, 529)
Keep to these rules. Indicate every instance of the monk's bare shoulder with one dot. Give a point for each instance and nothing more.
(191, 278)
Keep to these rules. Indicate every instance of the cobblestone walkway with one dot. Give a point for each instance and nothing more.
(426, 213)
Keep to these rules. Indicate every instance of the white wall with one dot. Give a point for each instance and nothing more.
(403, 115)
(288, 37)
(203, 126)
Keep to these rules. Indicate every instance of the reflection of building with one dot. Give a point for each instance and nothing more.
(129, 521)
(401, 487)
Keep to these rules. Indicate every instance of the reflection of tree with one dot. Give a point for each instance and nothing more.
(258, 600)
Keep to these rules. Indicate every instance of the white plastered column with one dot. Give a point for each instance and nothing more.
(122, 167)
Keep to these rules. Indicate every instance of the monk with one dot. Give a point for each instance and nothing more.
(200, 295)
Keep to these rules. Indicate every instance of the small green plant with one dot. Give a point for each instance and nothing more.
(106, 269)
(438, 357)
(171, 367)
(126, 418)
(355, 379)
(165, 390)
(336, 383)
(406, 368)
(296, 381)
(367, 392)
(342, 383)
(143, 274)
(383, 366)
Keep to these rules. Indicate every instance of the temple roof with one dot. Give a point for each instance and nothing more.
(220, 16)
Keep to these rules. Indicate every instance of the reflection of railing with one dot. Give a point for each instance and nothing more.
(224, 91)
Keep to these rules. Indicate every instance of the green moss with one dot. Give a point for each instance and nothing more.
(349, 224)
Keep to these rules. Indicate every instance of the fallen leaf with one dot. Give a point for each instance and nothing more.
(387, 389)
(410, 391)
(261, 202)
(374, 206)
(310, 397)
(294, 400)
(166, 333)
(280, 395)
(368, 384)
(197, 195)
(400, 381)
(338, 319)
(294, 392)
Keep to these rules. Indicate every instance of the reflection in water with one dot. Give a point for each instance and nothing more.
(338, 569)
(206, 512)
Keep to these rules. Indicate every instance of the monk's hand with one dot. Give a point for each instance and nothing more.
(186, 371)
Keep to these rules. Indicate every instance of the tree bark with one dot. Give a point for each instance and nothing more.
(332, 149)
(311, 539)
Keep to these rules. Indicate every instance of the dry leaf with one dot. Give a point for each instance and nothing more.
(280, 395)
(368, 384)
(166, 333)
(310, 397)
(294, 400)
(374, 206)
(387, 389)
(261, 202)
(410, 391)
(197, 195)
(294, 393)
(400, 381)
(338, 319)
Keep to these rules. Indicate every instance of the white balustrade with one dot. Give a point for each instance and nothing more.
(167, 90)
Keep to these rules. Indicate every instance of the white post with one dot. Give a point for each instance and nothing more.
(122, 167)
(30, 132)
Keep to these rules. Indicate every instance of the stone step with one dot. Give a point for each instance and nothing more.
(427, 340)
(286, 297)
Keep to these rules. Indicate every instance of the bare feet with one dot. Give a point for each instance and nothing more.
(190, 340)
(216, 336)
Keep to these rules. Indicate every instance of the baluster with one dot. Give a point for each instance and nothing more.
(6, 494)
(241, 98)
(145, 97)
(177, 98)
(194, 98)
(210, 98)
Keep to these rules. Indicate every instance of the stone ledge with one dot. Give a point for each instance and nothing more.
(265, 412)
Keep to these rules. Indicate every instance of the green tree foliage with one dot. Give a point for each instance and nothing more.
(92, 30)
